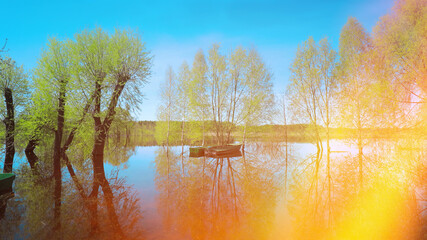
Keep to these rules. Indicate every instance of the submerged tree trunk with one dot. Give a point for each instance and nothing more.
(98, 160)
(99, 176)
(101, 131)
(9, 122)
(57, 159)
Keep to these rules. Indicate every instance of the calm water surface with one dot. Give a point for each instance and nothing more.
(264, 194)
(240, 197)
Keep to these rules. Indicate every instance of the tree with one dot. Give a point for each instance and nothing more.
(304, 91)
(53, 70)
(224, 91)
(400, 40)
(355, 50)
(283, 114)
(198, 95)
(327, 91)
(258, 100)
(167, 109)
(117, 66)
(14, 88)
(183, 102)
(218, 87)
(238, 73)
(183, 92)
(238, 88)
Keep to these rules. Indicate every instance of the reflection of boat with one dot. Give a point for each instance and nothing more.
(224, 151)
(226, 155)
(197, 151)
(6, 181)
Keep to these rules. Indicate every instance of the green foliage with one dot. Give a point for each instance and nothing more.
(224, 90)
(183, 91)
(258, 100)
(104, 58)
(400, 40)
(356, 76)
(198, 95)
(14, 78)
(312, 91)
(161, 132)
(401, 37)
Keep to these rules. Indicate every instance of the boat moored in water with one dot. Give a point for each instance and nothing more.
(223, 151)
(6, 182)
(229, 150)
(197, 151)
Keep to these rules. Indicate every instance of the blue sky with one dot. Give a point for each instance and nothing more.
(175, 30)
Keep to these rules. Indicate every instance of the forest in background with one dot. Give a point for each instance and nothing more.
(143, 133)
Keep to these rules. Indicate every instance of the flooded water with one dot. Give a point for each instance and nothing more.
(267, 193)
(226, 198)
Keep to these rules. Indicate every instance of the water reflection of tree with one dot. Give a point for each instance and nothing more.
(223, 198)
(28, 214)
(118, 152)
(9, 223)
(386, 208)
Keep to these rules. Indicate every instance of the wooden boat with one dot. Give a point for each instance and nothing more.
(223, 151)
(6, 181)
(197, 151)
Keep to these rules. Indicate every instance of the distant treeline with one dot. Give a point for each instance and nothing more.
(143, 133)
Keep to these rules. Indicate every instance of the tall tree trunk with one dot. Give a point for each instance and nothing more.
(101, 131)
(9, 122)
(96, 158)
(99, 175)
(57, 159)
